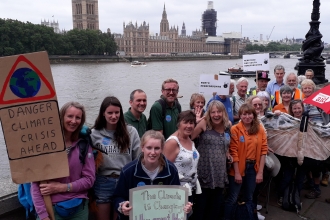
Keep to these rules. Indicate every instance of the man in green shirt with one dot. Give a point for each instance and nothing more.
(134, 116)
(167, 123)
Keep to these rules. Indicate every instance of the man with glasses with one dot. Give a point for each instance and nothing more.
(276, 84)
(164, 112)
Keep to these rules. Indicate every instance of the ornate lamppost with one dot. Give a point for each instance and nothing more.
(313, 47)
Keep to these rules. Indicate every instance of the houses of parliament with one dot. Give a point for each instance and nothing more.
(137, 41)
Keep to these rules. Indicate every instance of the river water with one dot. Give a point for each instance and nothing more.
(89, 83)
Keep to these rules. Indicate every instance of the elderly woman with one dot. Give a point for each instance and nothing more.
(248, 147)
(286, 94)
(197, 103)
(265, 98)
(257, 103)
(318, 117)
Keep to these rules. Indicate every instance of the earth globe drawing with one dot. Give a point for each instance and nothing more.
(25, 83)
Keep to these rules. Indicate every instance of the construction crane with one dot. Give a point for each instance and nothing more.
(270, 34)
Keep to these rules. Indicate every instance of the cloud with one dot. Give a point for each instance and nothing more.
(290, 18)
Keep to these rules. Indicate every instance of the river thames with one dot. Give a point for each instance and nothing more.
(89, 83)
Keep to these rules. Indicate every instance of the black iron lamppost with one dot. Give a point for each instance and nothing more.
(313, 47)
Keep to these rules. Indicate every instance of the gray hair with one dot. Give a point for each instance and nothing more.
(264, 94)
(279, 67)
(242, 79)
(301, 78)
(292, 74)
(232, 81)
(131, 96)
(309, 70)
(285, 88)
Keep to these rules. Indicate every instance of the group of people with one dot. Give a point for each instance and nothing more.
(205, 150)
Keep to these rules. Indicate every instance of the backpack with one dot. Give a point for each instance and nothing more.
(291, 198)
(24, 193)
(163, 105)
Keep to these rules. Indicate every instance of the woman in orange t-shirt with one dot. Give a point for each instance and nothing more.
(248, 147)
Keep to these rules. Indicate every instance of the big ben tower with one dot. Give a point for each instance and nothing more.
(85, 14)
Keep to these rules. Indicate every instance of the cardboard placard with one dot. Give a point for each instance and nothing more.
(30, 119)
(158, 202)
(214, 83)
(256, 62)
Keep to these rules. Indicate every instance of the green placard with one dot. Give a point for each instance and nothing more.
(158, 202)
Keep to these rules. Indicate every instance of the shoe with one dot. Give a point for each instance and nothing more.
(325, 180)
(260, 217)
(259, 207)
(313, 194)
(280, 201)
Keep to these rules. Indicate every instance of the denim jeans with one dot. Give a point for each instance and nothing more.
(104, 187)
(248, 184)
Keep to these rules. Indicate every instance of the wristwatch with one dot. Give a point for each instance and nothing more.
(69, 188)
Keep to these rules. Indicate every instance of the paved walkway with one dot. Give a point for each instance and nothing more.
(312, 209)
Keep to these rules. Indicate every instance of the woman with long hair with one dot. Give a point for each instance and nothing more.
(82, 175)
(150, 168)
(214, 138)
(121, 144)
(180, 150)
(248, 147)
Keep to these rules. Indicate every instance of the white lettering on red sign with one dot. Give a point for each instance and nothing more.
(321, 98)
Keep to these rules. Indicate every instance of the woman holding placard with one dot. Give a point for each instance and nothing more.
(150, 168)
(69, 194)
(121, 142)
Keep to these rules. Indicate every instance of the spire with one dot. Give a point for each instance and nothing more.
(164, 13)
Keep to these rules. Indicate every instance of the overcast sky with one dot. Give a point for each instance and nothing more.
(290, 17)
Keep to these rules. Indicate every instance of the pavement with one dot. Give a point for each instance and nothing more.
(312, 209)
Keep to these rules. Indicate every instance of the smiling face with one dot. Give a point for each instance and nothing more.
(307, 90)
(291, 80)
(199, 103)
(170, 91)
(186, 127)
(257, 104)
(246, 118)
(297, 110)
(286, 96)
(216, 115)
(72, 120)
(152, 150)
(139, 102)
(112, 114)
(242, 88)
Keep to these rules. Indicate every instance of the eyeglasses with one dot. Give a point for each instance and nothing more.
(257, 104)
(171, 90)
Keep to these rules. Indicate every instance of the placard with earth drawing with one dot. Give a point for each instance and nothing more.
(30, 119)
(158, 202)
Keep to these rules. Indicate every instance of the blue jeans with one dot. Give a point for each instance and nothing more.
(104, 187)
(248, 184)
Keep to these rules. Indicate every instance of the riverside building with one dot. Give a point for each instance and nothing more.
(137, 41)
(85, 14)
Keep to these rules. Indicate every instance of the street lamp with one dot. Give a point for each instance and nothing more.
(313, 47)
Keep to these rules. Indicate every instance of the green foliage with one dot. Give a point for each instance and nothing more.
(273, 46)
(18, 37)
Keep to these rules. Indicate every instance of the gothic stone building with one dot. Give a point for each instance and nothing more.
(135, 41)
(85, 14)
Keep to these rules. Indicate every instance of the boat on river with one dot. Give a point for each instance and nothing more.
(137, 64)
(237, 72)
